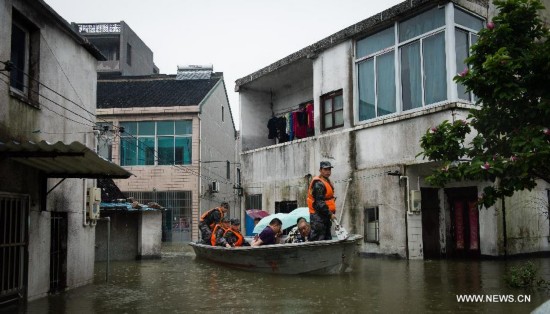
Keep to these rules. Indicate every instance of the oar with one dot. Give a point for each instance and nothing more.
(341, 232)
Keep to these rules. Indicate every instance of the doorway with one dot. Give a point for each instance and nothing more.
(430, 223)
(58, 252)
(464, 229)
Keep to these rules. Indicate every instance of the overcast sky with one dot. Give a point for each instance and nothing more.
(238, 37)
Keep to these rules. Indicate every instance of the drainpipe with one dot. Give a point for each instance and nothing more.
(407, 215)
(108, 219)
(199, 190)
(504, 233)
(84, 188)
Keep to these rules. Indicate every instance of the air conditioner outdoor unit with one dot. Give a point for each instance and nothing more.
(93, 198)
(215, 186)
(416, 201)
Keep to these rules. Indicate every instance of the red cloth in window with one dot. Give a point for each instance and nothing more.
(310, 124)
(300, 124)
(459, 225)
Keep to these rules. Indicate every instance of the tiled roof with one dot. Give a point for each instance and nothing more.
(168, 92)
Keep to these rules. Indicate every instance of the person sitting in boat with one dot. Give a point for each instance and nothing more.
(209, 220)
(300, 232)
(321, 203)
(217, 234)
(233, 236)
(270, 235)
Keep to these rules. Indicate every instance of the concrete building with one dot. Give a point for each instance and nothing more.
(126, 53)
(47, 152)
(376, 87)
(176, 134)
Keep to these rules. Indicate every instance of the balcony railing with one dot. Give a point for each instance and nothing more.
(100, 28)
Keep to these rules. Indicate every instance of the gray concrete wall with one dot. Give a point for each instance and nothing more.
(70, 70)
(125, 230)
(218, 139)
(142, 56)
(150, 234)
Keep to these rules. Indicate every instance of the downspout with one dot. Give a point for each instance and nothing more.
(199, 176)
(406, 215)
(84, 188)
(504, 233)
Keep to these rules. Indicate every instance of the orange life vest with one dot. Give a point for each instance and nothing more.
(329, 195)
(240, 237)
(213, 224)
(213, 237)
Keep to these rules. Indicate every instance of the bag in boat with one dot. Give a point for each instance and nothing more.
(341, 232)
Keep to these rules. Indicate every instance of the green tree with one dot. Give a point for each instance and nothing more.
(509, 72)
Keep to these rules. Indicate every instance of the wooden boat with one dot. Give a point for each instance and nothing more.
(320, 257)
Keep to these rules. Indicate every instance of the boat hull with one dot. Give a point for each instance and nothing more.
(320, 257)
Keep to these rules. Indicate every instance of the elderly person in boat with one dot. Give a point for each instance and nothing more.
(270, 235)
(300, 233)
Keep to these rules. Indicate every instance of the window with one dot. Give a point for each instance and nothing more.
(371, 229)
(285, 206)
(222, 113)
(332, 110)
(128, 54)
(414, 54)
(156, 143)
(105, 140)
(253, 201)
(228, 169)
(465, 36)
(24, 55)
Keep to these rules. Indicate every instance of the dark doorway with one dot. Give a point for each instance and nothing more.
(58, 252)
(285, 206)
(464, 222)
(430, 223)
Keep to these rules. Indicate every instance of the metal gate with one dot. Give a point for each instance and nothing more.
(14, 209)
(176, 219)
(58, 252)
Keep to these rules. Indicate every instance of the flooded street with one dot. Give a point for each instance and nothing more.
(179, 283)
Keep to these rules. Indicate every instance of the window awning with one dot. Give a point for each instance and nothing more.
(60, 160)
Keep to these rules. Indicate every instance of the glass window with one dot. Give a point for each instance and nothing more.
(158, 143)
(435, 73)
(130, 128)
(467, 20)
(367, 94)
(371, 226)
(411, 82)
(376, 42)
(422, 23)
(19, 54)
(385, 84)
(165, 128)
(332, 110)
(462, 49)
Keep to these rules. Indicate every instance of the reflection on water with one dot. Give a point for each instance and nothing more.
(180, 283)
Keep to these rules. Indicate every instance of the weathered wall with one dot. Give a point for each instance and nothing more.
(217, 145)
(68, 69)
(254, 130)
(125, 227)
(142, 56)
(150, 234)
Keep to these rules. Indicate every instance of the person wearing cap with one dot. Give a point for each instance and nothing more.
(321, 203)
(233, 236)
(210, 219)
(217, 234)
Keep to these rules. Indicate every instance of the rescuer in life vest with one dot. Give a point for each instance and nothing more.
(219, 230)
(233, 236)
(321, 203)
(209, 220)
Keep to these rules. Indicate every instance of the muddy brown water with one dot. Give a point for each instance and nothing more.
(180, 283)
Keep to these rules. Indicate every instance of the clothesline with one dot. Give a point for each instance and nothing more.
(301, 106)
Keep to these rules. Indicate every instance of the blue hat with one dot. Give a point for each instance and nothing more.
(325, 164)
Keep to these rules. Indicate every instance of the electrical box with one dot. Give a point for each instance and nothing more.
(92, 202)
(215, 187)
(416, 201)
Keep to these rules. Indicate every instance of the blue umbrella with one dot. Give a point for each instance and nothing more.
(288, 220)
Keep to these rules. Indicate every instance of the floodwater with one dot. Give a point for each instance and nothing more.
(179, 283)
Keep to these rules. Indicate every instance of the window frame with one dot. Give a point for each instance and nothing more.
(366, 222)
(31, 71)
(129, 54)
(332, 95)
(449, 48)
(137, 140)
